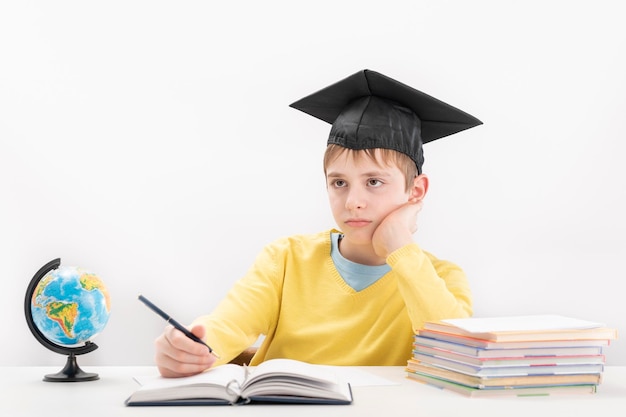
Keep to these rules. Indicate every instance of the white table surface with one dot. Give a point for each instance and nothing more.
(389, 393)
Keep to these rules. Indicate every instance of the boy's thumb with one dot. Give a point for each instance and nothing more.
(199, 331)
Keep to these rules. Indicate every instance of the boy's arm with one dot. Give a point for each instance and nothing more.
(249, 309)
(432, 289)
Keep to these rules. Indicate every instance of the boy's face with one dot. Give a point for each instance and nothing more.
(362, 192)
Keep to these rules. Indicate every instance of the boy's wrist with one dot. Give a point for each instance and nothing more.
(399, 253)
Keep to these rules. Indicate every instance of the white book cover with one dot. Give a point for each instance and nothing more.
(539, 322)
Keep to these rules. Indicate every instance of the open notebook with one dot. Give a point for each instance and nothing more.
(276, 381)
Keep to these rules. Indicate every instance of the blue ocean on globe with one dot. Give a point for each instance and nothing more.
(70, 306)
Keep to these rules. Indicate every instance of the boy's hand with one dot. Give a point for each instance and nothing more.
(397, 229)
(177, 355)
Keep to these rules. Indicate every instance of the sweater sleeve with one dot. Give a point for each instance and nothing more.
(432, 289)
(250, 308)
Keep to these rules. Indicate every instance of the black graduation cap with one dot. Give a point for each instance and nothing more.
(370, 110)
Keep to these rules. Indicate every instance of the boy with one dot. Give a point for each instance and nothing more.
(353, 296)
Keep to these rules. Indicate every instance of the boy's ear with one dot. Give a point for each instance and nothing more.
(420, 187)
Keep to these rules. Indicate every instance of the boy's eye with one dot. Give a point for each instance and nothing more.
(374, 182)
(339, 183)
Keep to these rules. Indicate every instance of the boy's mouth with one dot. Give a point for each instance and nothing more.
(357, 222)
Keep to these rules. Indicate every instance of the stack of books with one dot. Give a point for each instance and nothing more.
(520, 355)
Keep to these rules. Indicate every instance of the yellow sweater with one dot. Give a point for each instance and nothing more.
(294, 296)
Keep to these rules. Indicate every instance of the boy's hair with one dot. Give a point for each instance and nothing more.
(387, 157)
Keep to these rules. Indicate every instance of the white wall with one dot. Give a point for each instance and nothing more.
(152, 143)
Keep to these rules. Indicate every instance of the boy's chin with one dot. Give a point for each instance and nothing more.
(362, 236)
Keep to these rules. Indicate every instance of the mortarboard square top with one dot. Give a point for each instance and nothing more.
(369, 110)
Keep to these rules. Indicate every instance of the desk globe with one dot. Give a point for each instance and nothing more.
(66, 307)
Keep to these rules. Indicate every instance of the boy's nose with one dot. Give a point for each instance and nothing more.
(355, 200)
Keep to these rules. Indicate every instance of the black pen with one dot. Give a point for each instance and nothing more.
(174, 323)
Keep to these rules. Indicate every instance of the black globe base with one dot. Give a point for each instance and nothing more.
(71, 373)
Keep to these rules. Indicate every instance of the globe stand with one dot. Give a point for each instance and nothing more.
(71, 373)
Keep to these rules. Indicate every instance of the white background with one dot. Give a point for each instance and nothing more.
(151, 142)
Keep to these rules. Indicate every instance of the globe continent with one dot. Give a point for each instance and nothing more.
(70, 306)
